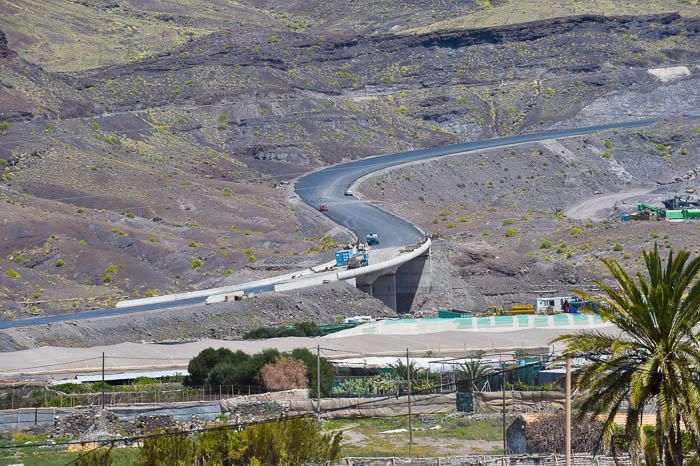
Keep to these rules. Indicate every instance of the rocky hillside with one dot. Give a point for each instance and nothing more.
(517, 222)
(165, 171)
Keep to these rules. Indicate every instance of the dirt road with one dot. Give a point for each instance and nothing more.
(596, 208)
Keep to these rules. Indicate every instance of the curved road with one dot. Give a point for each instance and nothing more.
(328, 186)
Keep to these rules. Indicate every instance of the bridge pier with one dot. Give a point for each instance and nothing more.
(397, 287)
(384, 289)
(412, 277)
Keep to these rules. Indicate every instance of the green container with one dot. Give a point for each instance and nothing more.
(465, 402)
(674, 214)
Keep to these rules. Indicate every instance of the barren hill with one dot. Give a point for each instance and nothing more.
(152, 156)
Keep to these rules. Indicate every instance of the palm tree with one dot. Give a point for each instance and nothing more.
(473, 372)
(654, 361)
(402, 370)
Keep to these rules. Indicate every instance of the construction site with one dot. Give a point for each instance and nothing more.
(675, 209)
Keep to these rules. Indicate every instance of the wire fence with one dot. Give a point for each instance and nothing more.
(486, 460)
(46, 396)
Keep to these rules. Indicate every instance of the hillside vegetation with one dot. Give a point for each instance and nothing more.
(146, 147)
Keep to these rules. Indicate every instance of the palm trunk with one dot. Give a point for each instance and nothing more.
(660, 438)
(674, 444)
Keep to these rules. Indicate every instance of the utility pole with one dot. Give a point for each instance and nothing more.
(103, 381)
(318, 383)
(503, 406)
(410, 425)
(567, 431)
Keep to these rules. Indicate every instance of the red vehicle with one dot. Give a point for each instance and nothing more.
(323, 208)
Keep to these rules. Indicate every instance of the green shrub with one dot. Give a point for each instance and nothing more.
(510, 232)
(107, 278)
(463, 219)
(661, 147)
(436, 221)
(654, 235)
(96, 126)
(248, 232)
(485, 233)
(242, 372)
(149, 293)
(12, 274)
(19, 259)
(153, 239)
(607, 154)
(108, 138)
(128, 214)
(119, 232)
(196, 263)
(252, 259)
(112, 268)
(608, 144)
(193, 244)
(575, 231)
(545, 244)
(60, 263)
(228, 271)
(508, 221)
(300, 329)
(684, 151)
(200, 366)
(450, 224)
(234, 229)
(145, 381)
(626, 255)
(4, 126)
(618, 247)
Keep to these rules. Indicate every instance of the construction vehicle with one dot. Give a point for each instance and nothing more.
(678, 202)
(360, 259)
(642, 208)
(372, 239)
(511, 310)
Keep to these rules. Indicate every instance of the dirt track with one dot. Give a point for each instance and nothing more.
(592, 209)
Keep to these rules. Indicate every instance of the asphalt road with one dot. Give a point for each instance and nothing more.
(328, 186)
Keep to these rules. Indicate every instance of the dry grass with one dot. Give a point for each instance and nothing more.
(515, 11)
(69, 36)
